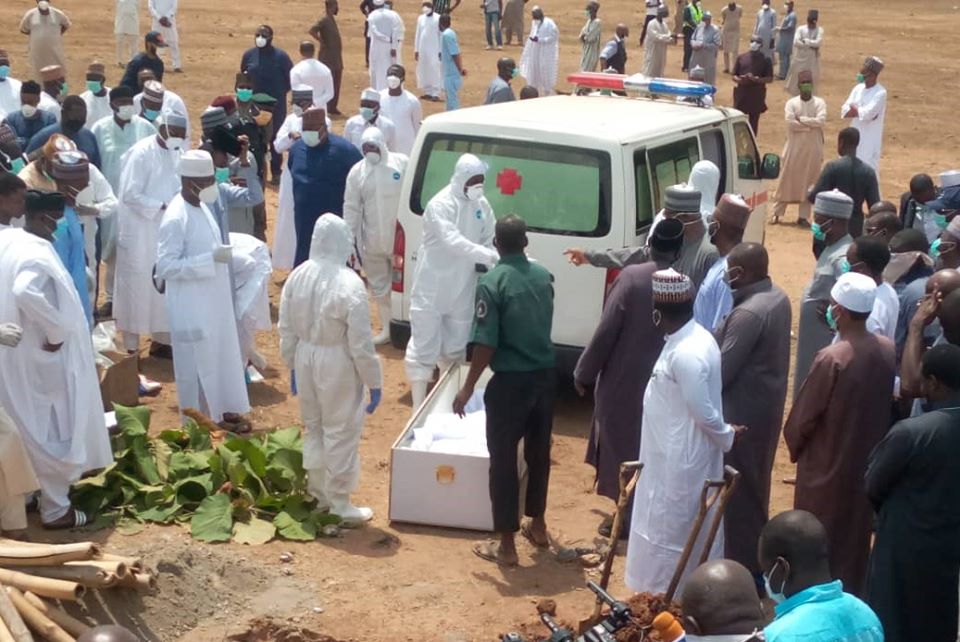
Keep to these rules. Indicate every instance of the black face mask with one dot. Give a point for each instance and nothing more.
(72, 125)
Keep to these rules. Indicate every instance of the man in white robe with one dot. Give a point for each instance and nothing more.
(805, 116)
(764, 29)
(9, 88)
(115, 135)
(683, 440)
(164, 14)
(538, 62)
(706, 46)
(368, 117)
(194, 263)
(126, 30)
(806, 53)
(49, 385)
(385, 34)
(655, 45)
(148, 183)
(370, 204)
(866, 106)
(155, 99)
(402, 108)
(426, 51)
(312, 73)
(96, 96)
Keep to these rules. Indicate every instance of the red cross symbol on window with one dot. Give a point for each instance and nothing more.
(509, 181)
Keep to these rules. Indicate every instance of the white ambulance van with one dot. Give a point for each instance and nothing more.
(582, 171)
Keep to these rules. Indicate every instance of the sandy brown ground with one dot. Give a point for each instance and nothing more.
(425, 584)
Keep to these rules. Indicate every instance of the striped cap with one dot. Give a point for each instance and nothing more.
(669, 286)
(70, 165)
(153, 90)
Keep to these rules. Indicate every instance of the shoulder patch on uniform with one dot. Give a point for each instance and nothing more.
(396, 176)
(481, 309)
(479, 214)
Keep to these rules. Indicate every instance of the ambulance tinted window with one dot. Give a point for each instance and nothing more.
(555, 189)
(671, 164)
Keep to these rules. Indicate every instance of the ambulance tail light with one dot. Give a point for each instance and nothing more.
(399, 247)
(612, 274)
(642, 85)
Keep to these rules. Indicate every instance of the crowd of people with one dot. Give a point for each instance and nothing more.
(112, 208)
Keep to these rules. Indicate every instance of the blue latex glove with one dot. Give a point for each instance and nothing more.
(293, 382)
(375, 395)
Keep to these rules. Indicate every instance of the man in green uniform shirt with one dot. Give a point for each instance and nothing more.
(511, 334)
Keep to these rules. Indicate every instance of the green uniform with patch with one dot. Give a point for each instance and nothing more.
(514, 316)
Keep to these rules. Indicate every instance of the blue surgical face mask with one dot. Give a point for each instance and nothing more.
(4, 71)
(18, 164)
(935, 249)
(832, 323)
(222, 174)
(367, 113)
(95, 86)
(244, 95)
(844, 266)
(940, 220)
(776, 597)
(64, 88)
(819, 232)
(860, 78)
(151, 114)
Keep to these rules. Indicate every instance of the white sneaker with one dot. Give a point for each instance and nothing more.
(351, 515)
(382, 338)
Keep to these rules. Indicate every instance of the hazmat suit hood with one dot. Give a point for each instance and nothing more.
(332, 241)
(705, 177)
(466, 168)
(374, 136)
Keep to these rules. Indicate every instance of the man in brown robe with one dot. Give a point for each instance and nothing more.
(618, 361)
(754, 345)
(752, 72)
(806, 115)
(327, 33)
(840, 414)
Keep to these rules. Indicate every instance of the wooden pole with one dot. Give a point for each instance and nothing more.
(56, 589)
(36, 620)
(11, 618)
(5, 634)
(70, 624)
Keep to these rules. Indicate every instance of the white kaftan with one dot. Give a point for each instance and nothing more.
(9, 96)
(385, 34)
(167, 9)
(206, 348)
(98, 107)
(317, 76)
(706, 46)
(871, 104)
(405, 112)
(426, 45)
(684, 438)
(355, 126)
(171, 102)
(655, 48)
(538, 62)
(53, 397)
(149, 181)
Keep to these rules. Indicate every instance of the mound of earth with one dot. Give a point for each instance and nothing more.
(269, 630)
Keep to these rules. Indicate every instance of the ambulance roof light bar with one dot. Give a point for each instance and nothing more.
(640, 84)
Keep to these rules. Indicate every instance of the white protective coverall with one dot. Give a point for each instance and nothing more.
(325, 338)
(206, 350)
(251, 276)
(53, 397)
(370, 204)
(705, 177)
(457, 235)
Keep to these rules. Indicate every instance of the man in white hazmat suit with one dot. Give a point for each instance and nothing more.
(251, 275)
(458, 231)
(49, 384)
(148, 183)
(370, 204)
(194, 263)
(325, 338)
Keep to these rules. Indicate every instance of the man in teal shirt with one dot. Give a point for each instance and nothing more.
(453, 70)
(511, 334)
(810, 606)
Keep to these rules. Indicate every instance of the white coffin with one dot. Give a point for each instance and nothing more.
(440, 489)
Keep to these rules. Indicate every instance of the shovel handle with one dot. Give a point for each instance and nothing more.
(730, 478)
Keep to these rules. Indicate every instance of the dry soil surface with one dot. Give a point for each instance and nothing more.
(393, 581)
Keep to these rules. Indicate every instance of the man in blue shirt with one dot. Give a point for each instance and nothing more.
(146, 59)
(30, 119)
(270, 67)
(72, 123)
(318, 163)
(810, 606)
(453, 70)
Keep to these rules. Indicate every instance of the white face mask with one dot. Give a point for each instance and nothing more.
(174, 142)
(260, 41)
(209, 194)
(755, 46)
(43, 5)
(475, 192)
(126, 112)
(28, 111)
(393, 82)
(425, 10)
(297, 110)
(367, 113)
(372, 157)
(84, 198)
(311, 138)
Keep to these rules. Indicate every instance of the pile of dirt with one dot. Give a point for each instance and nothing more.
(645, 607)
(266, 629)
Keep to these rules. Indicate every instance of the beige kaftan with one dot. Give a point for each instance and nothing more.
(45, 34)
(16, 476)
(806, 57)
(803, 153)
(655, 48)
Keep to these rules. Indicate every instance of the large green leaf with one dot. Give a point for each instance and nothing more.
(176, 437)
(199, 439)
(256, 531)
(144, 460)
(285, 470)
(252, 451)
(213, 521)
(193, 490)
(283, 438)
(132, 421)
(100, 480)
(161, 514)
(291, 528)
(188, 463)
(162, 452)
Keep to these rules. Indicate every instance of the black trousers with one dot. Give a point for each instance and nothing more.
(519, 405)
(337, 79)
(643, 32)
(687, 48)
